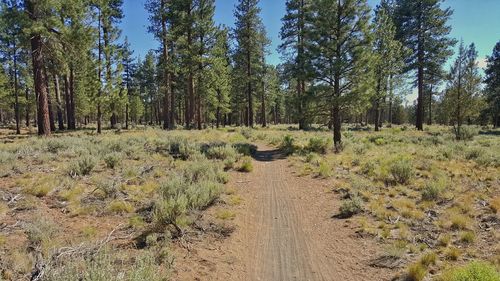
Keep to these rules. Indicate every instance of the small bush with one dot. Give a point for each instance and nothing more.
(225, 215)
(444, 240)
(401, 170)
(324, 170)
(287, 145)
(467, 133)
(112, 160)
(474, 271)
(55, 145)
(319, 145)
(350, 207)
(433, 189)
(245, 148)
(246, 132)
(467, 237)
(452, 253)
(429, 258)
(416, 272)
(120, 207)
(226, 153)
(6, 157)
(83, 166)
(168, 211)
(459, 222)
(246, 165)
(473, 153)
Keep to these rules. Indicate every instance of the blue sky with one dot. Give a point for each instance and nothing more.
(475, 21)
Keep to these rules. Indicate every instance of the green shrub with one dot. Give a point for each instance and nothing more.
(350, 207)
(401, 170)
(313, 158)
(245, 149)
(319, 145)
(474, 271)
(467, 133)
(6, 157)
(246, 132)
(416, 272)
(203, 194)
(467, 237)
(226, 153)
(433, 189)
(474, 153)
(55, 145)
(106, 265)
(120, 207)
(287, 145)
(246, 165)
(112, 160)
(168, 211)
(82, 166)
(324, 169)
(429, 258)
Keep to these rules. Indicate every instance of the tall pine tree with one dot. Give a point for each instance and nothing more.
(422, 27)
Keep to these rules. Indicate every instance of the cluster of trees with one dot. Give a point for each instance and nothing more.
(64, 63)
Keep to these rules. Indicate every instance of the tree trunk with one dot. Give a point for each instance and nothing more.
(250, 117)
(377, 116)
(166, 99)
(72, 124)
(420, 75)
(27, 110)
(99, 76)
(57, 90)
(51, 107)
(459, 106)
(39, 78)
(429, 121)
(16, 93)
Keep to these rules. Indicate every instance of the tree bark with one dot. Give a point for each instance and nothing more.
(420, 75)
(49, 101)
(40, 81)
(99, 76)
(72, 124)
(166, 99)
(57, 90)
(429, 121)
(27, 110)
(16, 93)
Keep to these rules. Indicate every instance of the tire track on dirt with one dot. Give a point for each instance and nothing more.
(281, 247)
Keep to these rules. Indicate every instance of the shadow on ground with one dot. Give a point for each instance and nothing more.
(269, 155)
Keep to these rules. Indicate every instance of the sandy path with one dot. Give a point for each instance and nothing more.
(285, 232)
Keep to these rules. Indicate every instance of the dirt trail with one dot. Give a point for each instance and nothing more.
(285, 232)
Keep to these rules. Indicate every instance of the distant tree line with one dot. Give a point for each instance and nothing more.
(65, 64)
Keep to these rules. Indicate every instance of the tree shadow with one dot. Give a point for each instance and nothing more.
(269, 155)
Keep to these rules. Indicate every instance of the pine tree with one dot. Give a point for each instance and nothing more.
(464, 87)
(205, 31)
(422, 27)
(160, 11)
(249, 52)
(39, 14)
(129, 68)
(493, 85)
(295, 46)
(219, 78)
(388, 60)
(341, 56)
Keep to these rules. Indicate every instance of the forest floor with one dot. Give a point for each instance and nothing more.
(284, 230)
(147, 204)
